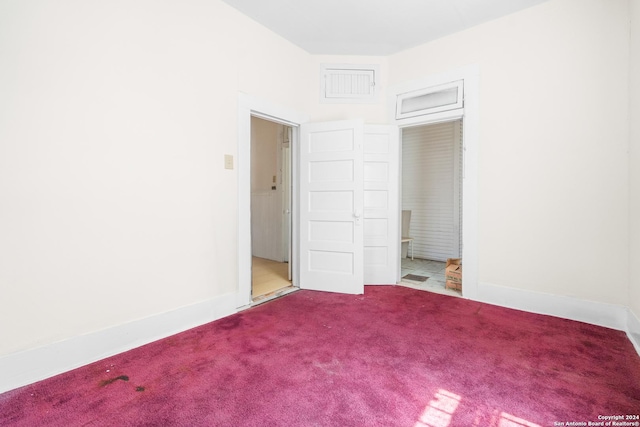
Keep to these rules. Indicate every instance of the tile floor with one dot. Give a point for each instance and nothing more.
(434, 270)
(270, 278)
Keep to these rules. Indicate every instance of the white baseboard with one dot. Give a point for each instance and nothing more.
(26, 367)
(633, 329)
(596, 313)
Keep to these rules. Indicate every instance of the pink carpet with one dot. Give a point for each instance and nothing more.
(391, 357)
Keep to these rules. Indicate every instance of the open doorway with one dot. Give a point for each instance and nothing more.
(431, 203)
(270, 208)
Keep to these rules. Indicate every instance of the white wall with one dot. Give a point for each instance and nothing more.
(553, 177)
(114, 121)
(634, 159)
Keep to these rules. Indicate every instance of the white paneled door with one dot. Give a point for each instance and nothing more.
(332, 207)
(381, 204)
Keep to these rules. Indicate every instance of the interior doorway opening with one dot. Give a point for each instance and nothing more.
(431, 203)
(271, 199)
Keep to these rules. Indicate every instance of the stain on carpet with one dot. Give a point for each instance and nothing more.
(112, 380)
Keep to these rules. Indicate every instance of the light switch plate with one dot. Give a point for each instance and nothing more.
(228, 161)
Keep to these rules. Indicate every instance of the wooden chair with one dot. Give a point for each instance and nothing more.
(406, 221)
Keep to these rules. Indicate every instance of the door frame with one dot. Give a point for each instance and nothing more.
(455, 169)
(469, 114)
(252, 106)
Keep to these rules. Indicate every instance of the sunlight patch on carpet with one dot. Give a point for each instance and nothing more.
(439, 411)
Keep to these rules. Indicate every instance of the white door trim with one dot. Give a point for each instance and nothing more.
(471, 135)
(251, 106)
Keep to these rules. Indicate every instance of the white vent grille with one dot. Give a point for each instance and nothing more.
(348, 83)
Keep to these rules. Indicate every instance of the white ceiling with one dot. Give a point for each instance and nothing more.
(371, 27)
